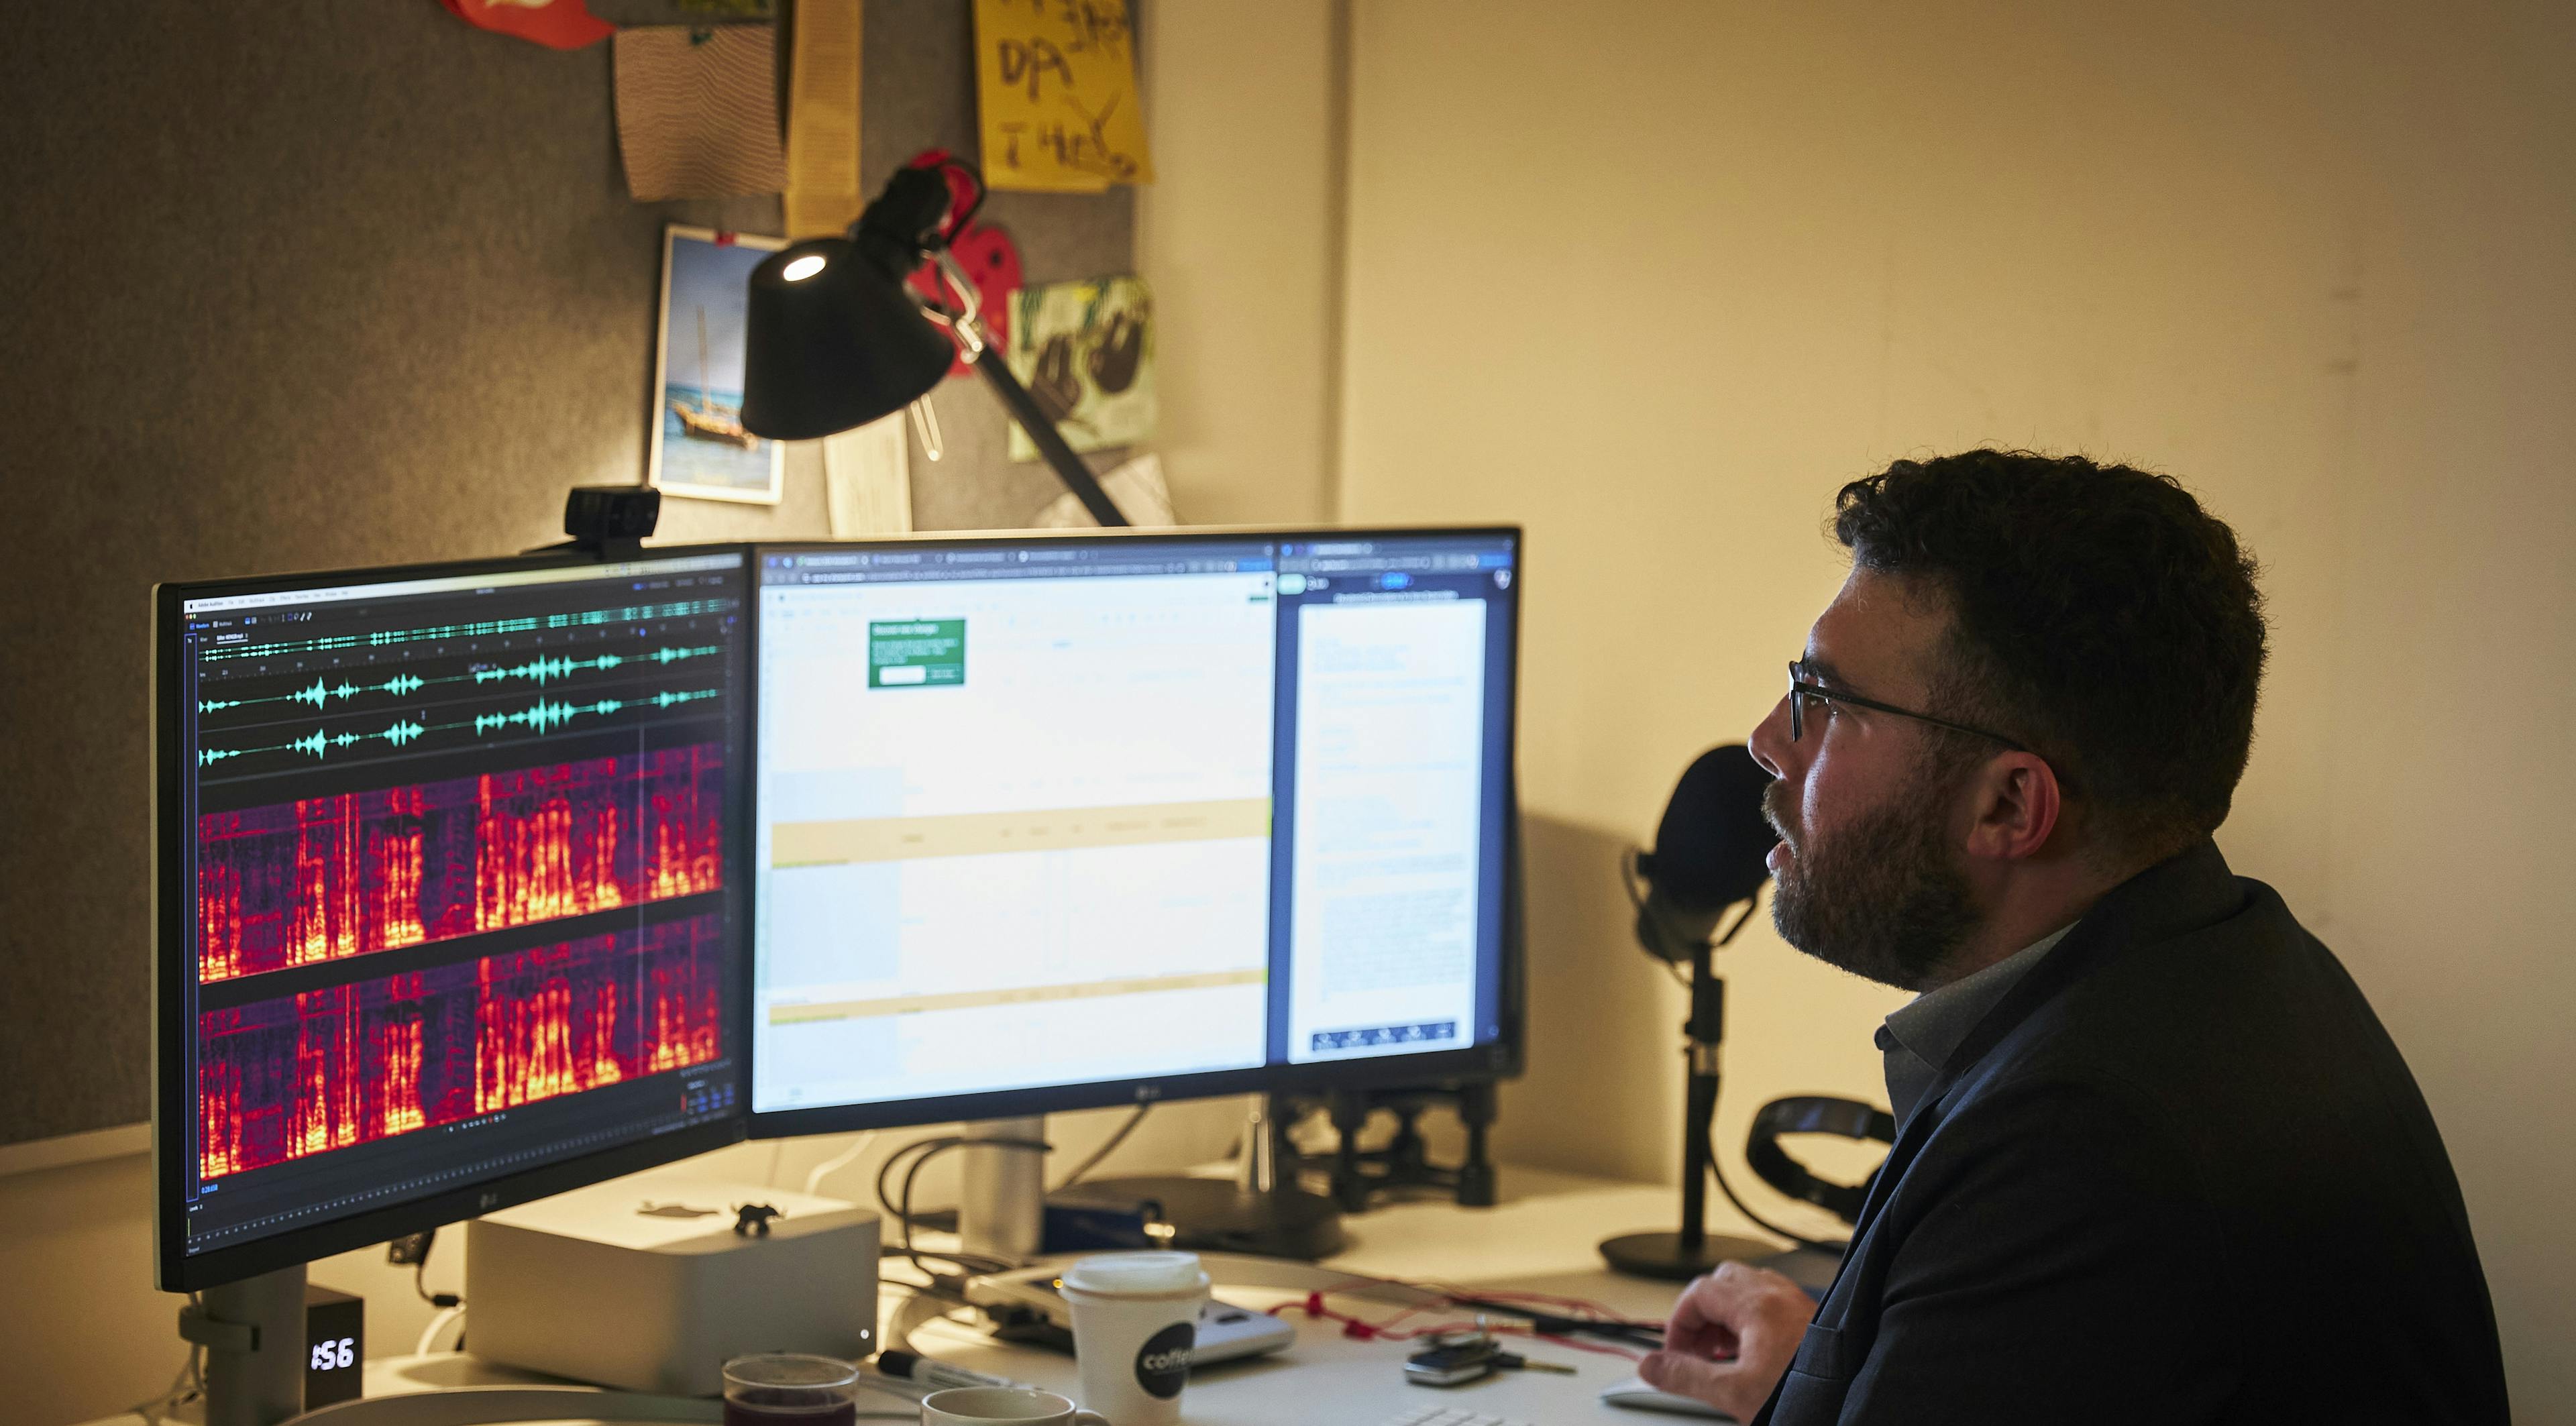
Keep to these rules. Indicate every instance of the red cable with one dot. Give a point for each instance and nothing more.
(1362, 1330)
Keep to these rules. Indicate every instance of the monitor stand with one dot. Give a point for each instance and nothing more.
(253, 1333)
(1002, 1205)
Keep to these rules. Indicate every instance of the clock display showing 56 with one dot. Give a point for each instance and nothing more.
(330, 1355)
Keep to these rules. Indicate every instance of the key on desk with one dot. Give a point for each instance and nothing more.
(1448, 1416)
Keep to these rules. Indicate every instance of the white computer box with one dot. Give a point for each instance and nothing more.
(643, 1283)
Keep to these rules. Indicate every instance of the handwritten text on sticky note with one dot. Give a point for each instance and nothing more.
(1057, 83)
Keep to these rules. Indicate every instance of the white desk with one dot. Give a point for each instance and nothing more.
(1540, 1238)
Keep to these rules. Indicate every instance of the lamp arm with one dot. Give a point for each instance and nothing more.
(1069, 468)
(967, 323)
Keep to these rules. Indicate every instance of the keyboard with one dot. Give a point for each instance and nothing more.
(1449, 1416)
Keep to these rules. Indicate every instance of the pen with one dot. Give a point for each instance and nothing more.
(896, 1362)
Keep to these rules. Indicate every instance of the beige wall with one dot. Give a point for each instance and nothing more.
(1655, 277)
(1237, 239)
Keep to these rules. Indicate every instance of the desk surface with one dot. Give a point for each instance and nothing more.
(1540, 1238)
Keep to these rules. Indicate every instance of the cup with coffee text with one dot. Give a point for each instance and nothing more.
(1135, 1324)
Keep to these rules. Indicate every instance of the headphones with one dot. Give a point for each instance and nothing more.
(1815, 1114)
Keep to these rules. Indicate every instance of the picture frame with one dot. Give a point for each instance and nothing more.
(699, 449)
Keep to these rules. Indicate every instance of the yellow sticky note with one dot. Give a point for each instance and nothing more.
(1056, 80)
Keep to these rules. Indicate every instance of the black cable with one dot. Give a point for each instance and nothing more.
(1719, 1173)
(885, 1170)
(922, 1152)
(1098, 1155)
(419, 1284)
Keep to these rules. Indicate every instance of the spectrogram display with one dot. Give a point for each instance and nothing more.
(327, 1069)
(323, 878)
(450, 856)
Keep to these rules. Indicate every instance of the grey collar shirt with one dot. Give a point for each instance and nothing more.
(1919, 1038)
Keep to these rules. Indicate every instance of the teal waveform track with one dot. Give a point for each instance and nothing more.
(322, 693)
(545, 716)
(320, 743)
(319, 695)
(543, 670)
(630, 614)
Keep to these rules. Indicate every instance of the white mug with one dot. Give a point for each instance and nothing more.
(1135, 1322)
(1003, 1406)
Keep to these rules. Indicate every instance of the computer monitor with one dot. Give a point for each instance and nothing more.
(448, 893)
(1048, 822)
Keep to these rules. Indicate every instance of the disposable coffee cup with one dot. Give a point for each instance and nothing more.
(1135, 1320)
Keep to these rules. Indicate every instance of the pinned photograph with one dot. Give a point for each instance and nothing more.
(1085, 350)
(700, 449)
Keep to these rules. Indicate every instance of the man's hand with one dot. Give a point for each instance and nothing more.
(1730, 1338)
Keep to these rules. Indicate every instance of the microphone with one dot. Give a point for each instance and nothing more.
(1709, 854)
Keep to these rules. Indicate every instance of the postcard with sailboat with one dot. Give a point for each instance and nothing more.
(700, 449)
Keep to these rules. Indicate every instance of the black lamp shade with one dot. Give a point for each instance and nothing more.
(837, 347)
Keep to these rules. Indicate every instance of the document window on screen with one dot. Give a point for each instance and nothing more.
(1042, 813)
(1023, 838)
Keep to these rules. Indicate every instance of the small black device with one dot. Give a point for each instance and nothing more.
(611, 521)
(1454, 1362)
(335, 1347)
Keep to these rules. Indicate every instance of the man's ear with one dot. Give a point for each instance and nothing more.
(2017, 806)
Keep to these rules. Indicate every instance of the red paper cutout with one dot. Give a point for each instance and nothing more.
(987, 256)
(556, 24)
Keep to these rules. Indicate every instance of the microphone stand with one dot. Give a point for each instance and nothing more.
(1684, 1255)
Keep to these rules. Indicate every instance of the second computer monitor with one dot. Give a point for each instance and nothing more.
(1048, 822)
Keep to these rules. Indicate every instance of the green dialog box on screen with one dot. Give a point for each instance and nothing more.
(916, 653)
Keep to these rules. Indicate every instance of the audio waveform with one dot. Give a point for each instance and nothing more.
(322, 691)
(544, 716)
(541, 717)
(320, 743)
(541, 670)
(326, 878)
(320, 694)
(680, 609)
(306, 1074)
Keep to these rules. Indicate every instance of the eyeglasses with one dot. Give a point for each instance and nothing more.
(1802, 686)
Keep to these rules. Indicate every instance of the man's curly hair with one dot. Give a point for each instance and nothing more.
(2099, 616)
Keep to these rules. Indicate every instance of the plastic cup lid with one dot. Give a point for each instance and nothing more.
(1138, 1275)
(790, 1369)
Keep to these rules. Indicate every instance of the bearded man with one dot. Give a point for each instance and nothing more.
(2156, 1159)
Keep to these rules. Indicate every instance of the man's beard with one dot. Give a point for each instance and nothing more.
(1883, 898)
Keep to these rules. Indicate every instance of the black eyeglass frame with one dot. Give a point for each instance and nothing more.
(1801, 688)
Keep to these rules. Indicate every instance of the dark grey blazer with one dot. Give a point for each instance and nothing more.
(2178, 1174)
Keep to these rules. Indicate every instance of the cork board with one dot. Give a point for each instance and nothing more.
(314, 285)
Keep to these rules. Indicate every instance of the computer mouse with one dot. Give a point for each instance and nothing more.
(1637, 1396)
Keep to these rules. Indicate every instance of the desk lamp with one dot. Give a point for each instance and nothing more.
(836, 339)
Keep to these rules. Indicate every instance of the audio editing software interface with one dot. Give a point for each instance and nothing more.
(1063, 812)
(457, 848)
